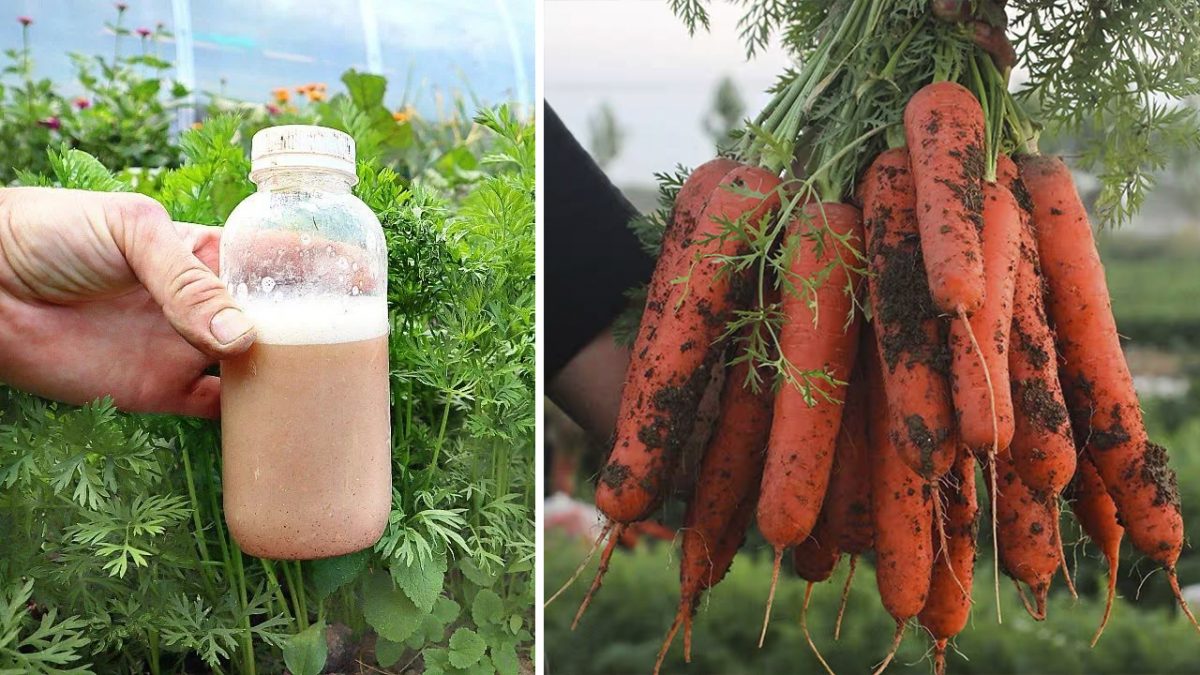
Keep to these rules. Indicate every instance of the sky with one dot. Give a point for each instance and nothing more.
(637, 56)
(483, 49)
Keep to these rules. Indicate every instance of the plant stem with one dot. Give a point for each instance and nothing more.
(197, 524)
(273, 582)
(437, 447)
(297, 605)
(247, 637)
(155, 667)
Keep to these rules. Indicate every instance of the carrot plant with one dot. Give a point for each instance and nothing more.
(116, 557)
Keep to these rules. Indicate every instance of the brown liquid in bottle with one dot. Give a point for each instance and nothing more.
(306, 447)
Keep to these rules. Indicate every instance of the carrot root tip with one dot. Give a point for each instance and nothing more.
(613, 537)
(1108, 604)
(1179, 596)
(804, 628)
(771, 595)
(887, 660)
(837, 626)
(939, 657)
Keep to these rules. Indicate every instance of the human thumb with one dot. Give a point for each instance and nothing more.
(195, 302)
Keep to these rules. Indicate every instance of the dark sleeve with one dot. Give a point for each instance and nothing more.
(592, 257)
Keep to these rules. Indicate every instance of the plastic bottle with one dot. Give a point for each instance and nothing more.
(305, 412)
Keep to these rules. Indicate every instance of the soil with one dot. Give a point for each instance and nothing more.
(1040, 406)
(1155, 470)
(905, 307)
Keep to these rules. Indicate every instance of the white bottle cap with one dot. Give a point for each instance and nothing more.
(301, 146)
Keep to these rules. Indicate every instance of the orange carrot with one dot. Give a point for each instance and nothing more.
(909, 336)
(846, 513)
(1043, 449)
(814, 337)
(902, 511)
(943, 123)
(1103, 403)
(847, 508)
(1097, 516)
(982, 401)
(1026, 534)
(946, 611)
(676, 347)
(726, 487)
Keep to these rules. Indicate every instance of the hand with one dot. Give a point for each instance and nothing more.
(988, 22)
(102, 294)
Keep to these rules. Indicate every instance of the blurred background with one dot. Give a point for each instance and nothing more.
(642, 96)
(242, 49)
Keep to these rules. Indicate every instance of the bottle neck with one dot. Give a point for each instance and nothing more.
(286, 179)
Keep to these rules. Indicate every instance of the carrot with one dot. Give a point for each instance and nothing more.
(677, 345)
(727, 486)
(1098, 516)
(816, 557)
(1100, 395)
(909, 335)
(1026, 534)
(943, 124)
(722, 559)
(1042, 448)
(902, 513)
(815, 336)
(946, 611)
(982, 400)
(847, 509)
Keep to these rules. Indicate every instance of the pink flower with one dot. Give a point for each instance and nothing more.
(51, 123)
(272, 109)
(144, 32)
(82, 103)
(25, 20)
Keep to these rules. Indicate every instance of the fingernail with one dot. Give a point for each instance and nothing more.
(229, 324)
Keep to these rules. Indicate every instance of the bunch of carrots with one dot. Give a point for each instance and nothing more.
(957, 311)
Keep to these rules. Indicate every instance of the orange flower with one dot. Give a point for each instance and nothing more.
(404, 114)
(315, 95)
(197, 125)
(281, 94)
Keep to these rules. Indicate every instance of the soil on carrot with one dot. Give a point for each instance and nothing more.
(1116, 434)
(1021, 194)
(1040, 406)
(967, 188)
(925, 439)
(905, 305)
(1155, 470)
(614, 475)
(1021, 341)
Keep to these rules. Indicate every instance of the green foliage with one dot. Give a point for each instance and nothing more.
(116, 517)
(1114, 75)
(122, 118)
(1117, 75)
(28, 645)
